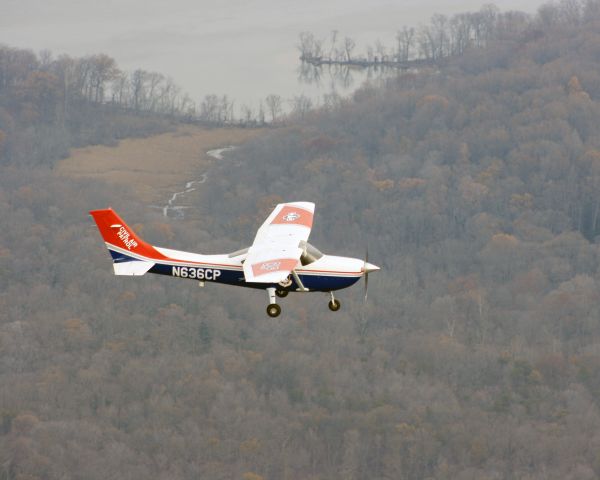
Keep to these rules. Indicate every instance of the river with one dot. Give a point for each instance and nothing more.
(171, 208)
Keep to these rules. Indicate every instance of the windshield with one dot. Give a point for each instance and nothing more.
(310, 253)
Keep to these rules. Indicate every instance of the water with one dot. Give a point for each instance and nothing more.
(178, 210)
(245, 49)
(171, 209)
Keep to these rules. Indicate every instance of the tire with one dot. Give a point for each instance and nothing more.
(334, 305)
(273, 310)
(281, 293)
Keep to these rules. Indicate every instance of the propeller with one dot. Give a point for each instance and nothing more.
(368, 268)
(366, 274)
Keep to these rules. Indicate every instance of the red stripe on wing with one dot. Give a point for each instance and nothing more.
(291, 215)
(271, 266)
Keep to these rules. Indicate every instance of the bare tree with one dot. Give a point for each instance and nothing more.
(261, 113)
(247, 114)
(405, 39)
(152, 97)
(186, 106)
(370, 53)
(309, 46)
(209, 108)
(332, 49)
(226, 110)
(121, 90)
(483, 24)
(434, 39)
(274, 105)
(381, 50)
(138, 89)
(169, 95)
(349, 45)
(82, 74)
(460, 34)
(102, 70)
(301, 105)
(440, 33)
(45, 58)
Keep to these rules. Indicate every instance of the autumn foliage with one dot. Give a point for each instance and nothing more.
(477, 355)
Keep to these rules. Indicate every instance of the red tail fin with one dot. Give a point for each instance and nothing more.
(116, 232)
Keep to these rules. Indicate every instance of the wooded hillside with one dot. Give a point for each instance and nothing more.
(477, 355)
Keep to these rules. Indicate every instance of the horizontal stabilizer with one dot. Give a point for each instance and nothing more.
(136, 267)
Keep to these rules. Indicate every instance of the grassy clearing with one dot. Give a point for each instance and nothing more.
(155, 166)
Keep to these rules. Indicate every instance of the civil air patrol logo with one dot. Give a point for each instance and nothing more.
(290, 217)
(270, 266)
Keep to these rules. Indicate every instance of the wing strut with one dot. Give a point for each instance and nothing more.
(299, 282)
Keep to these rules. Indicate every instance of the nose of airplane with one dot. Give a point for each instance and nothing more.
(369, 267)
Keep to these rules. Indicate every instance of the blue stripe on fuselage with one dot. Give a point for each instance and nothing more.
(235, 277)
(119, 257)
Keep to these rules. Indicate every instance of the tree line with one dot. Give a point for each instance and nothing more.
(445, 36)
(54, 85)
(58, 83)
(49, 104)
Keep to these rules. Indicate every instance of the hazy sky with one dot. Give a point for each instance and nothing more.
(243, 48)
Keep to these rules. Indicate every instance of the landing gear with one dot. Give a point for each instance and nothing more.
(334, 304)
(273, 310)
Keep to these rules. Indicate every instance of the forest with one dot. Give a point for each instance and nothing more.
(476, 188)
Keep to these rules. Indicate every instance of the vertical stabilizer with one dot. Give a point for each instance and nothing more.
(131, 255)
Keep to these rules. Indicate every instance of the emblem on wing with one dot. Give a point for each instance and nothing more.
(270, 266)
(290, 217)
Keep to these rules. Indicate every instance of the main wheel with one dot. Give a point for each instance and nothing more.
(281, 293)
(334, 305)
(273, 310)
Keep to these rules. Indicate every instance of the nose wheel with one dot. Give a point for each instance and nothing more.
(334, 304)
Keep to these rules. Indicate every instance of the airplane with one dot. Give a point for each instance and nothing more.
(280, 260)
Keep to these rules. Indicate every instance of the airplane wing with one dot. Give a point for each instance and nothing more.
(276, 249)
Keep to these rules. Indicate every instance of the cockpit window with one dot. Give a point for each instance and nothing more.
(237, 253)
(310, 253)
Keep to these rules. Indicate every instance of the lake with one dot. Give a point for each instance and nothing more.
(246, 49)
